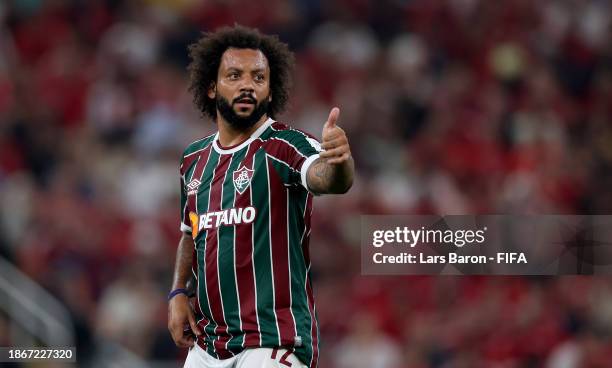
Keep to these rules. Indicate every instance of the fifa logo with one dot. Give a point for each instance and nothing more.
(242, 179)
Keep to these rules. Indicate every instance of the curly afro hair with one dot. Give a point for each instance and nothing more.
(206, 56)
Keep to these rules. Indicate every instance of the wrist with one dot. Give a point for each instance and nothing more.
(177, 291)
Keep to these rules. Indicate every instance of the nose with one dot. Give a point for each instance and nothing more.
(247, 89)
(248, 86)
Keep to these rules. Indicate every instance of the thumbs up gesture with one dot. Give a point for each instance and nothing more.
(334, 141)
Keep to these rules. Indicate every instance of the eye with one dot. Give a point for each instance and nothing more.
(233, 75)
(259, 77)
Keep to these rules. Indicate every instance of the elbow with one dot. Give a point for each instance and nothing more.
(343, 187)
(348, 186)
(349, 173)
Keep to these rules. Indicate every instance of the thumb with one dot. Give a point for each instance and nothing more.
(193, 324)
(333, 118)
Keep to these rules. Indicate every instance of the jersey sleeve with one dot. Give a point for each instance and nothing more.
(185, 226)
(298, 150)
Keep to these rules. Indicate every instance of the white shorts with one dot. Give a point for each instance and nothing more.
(248, 358)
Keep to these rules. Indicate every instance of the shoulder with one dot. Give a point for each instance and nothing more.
(197, 146)
(285, 131)
(283, 137)
(192, 150)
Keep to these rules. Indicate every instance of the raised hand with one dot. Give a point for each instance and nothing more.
(334, 141)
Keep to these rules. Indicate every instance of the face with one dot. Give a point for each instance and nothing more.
(242, 90)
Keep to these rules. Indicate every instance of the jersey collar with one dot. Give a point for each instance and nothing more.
(253, 136)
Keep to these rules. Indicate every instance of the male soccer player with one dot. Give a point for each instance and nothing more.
(246, 204)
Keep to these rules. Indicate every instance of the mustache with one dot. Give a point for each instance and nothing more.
(245, 96)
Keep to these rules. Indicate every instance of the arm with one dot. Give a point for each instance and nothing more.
(180, 312)
(333, 171)
(182, 264)
(329, 178)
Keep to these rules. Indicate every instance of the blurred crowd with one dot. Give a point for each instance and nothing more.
(451, 107)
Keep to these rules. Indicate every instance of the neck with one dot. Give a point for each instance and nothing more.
(230, 136)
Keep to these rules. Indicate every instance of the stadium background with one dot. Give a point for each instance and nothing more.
(451, 107)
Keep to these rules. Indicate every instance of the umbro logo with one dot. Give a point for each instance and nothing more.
(193, 186)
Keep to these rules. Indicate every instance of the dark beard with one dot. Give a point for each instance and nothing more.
(238, 122)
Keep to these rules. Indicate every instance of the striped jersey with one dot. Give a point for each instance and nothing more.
(248, 210)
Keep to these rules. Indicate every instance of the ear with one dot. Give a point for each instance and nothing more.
(212, 91)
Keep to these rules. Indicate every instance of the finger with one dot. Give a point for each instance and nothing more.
(333, 153)
(179, 339)
(333, 117)
(333, 143)
(185, 341)
(332, 133)
(193, 324)
(336, 152)
(339, 160)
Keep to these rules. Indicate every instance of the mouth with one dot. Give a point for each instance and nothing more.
(244, 104)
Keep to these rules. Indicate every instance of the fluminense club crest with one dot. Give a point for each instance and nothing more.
(242, 179)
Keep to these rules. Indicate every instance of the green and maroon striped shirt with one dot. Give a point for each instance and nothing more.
(248, 209)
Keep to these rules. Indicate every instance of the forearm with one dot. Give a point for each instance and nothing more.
(326, 178)
(180, 311)
(182, 265)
